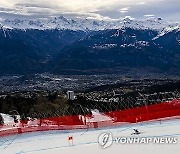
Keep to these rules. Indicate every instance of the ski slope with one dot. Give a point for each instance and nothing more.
(86, 141)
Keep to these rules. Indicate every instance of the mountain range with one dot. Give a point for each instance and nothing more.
(86, 46)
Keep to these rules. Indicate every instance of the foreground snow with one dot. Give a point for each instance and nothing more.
(86, 141)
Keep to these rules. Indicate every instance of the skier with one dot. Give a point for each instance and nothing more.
(136, 132)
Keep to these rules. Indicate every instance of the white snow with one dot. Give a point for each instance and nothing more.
(9, 121)
(138, 44)
(104, 46)
(98, 117)
(85, 24)
(7, 118)
(167, 30)
(86, 141)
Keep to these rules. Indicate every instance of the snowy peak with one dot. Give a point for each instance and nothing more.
(85, 24)
(175, 28)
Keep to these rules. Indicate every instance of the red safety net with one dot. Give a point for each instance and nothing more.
(97, 120)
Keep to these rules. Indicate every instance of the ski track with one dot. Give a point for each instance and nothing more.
(56, 141)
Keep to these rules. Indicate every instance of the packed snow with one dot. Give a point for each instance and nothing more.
(86, 141)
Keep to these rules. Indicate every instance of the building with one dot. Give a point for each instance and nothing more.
(70, 95)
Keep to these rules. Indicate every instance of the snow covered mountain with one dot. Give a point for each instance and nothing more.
(84, 46)
(63, 23)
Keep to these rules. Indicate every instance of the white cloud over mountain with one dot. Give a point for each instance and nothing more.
(89, 8)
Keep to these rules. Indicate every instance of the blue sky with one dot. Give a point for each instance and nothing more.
(100, 9)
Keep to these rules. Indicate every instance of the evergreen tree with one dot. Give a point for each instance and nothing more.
(1, 120)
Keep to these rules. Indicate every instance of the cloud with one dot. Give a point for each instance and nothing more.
(142, 3)
(124, 10)
(90, 8)
(149, 15)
